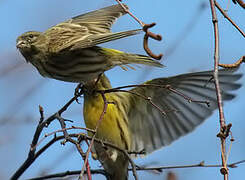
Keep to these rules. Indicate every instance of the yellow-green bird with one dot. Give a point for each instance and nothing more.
(69, 51)
(134, 124)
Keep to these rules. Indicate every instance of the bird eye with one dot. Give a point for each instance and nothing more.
(31, 35)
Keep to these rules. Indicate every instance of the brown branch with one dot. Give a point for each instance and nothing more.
(224, 169)
(186, 31)
(190, 100)
(159, 169)
(84, 136)
(76, 143)
(149, 99)
(118, 89)
(69, 173)
(61, 130)
(201, 164)
(148, 34)
(171, 176)
(131, 14)
(234, 65)
(228, 18)
(240, 2)
(42, 123)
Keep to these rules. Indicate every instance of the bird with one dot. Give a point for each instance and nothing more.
(151, 115)
(68, 51)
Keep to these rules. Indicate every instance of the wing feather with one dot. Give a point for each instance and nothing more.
(151, 129)
(87, 30)
(100, 20)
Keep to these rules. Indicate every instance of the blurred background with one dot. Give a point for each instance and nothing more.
(187, 44)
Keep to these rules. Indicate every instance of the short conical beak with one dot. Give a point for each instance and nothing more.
(20, 43)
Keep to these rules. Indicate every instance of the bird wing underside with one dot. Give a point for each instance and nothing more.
(152, 129)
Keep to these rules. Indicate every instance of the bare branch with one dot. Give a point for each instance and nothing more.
(148, 34)
(228, 18)
(160, 168)
(234, 65)
(42, 123)
(240, 2)
(224, 169)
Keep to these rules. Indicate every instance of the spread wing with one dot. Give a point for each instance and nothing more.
(151, 129)
(86, 30)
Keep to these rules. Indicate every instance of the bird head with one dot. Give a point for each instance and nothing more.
(26, 42)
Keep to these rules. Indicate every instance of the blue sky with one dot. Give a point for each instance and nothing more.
(24, 89)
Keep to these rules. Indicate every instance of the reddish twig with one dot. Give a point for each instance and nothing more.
(106, 103)
(149, 99)
(171, 176)
(228, 18)
(95, 132)
(190, 100)
(148, 34)
(128, 12)
(240, 2)
(77, 144)
(234, 65)
(224, 169)
(118, 89)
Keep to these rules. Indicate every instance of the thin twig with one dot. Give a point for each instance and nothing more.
(69, 173)
(224, 169)
(133, 16)
(190, 100)
(228, 18)
(94, 135)
(61, 130)
(148, 34)
(118, 89)
(95, 132)
(159, 169)
(149, 99)
(76, 143)
(240, 2)
(234, 65)
(42, 123)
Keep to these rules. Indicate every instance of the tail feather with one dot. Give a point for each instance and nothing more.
(114, 162)
(117, 57)
(140, 59)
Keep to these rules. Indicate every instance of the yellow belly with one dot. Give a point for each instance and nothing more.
(113, 127)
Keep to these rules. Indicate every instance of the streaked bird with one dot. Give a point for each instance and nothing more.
(134, 124)
(69, 51)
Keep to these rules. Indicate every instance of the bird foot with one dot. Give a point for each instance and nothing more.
(79, 91)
